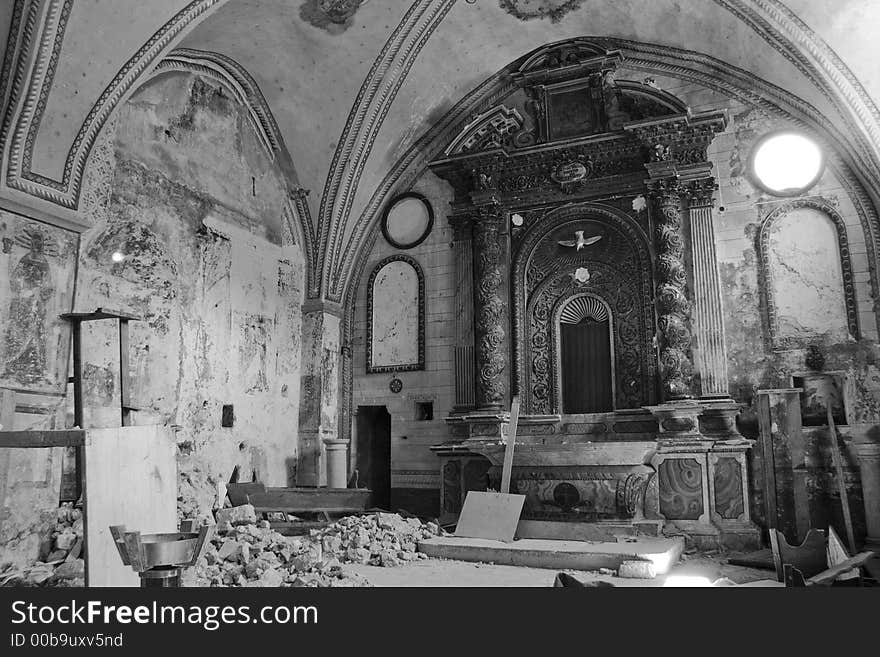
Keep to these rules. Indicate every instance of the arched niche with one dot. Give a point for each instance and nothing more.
(396, 316)
(805, 276)
(584, 341)
(615, 270)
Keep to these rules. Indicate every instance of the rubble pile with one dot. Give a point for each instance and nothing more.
(252, 554)
(60, 562)
(247, 552)
(380, 539)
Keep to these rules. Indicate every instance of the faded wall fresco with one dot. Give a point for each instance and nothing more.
(38, 265)
(806, 280)
(181, 187)
(395, 320)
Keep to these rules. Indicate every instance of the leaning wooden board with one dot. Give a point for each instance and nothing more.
(131, 480)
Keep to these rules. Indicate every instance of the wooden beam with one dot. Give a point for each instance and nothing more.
(507, 468)
(59, 438)
(769, 483)
(836, 457)
(7, 410)
(828, 576)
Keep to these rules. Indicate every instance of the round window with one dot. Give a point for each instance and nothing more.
(407, 220)
(786, 163)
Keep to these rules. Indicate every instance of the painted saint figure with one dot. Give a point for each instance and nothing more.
(31, 287)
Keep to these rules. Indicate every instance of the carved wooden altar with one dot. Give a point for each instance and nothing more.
(579, 186)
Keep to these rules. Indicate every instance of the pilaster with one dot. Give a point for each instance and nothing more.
(319, 379)
(709, 349)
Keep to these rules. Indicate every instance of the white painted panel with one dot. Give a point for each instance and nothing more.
(395, 316)
(131, 480)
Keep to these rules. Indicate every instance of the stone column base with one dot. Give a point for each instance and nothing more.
(337, 462)
(703, 477)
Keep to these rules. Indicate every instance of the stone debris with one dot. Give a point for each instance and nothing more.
(637, 570)
(252, 554)
(379, 539)
(60, 563)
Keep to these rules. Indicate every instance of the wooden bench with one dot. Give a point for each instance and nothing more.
(323, 501)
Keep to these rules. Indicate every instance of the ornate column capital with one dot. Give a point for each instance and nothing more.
(701, 192)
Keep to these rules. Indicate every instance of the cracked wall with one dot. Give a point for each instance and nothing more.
(181, 187)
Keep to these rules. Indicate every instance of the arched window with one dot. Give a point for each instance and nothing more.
(806, 276)
(586, 356)
(396, 316)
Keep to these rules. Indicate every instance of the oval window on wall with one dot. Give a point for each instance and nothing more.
(786, 163)
(407, 220)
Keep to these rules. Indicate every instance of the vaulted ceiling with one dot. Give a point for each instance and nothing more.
(353, 85)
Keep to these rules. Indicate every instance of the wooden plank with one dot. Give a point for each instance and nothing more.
(7, 410)
(841, 482)
(131, 480)
(78, 410)
(288, 509)
(295, 500)
(124, 373)
(769, 462)
(99, 313)
(37, 439)
(507, 468)
(238, 493)
(828, 576)
(490, 515)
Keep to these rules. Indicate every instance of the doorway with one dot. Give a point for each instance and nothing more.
(373, 460)
(586, 357)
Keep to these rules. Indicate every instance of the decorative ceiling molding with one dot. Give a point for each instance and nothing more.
(36, 54)
(237, 81)
(845, 156)
(790, 36)
(377, 93)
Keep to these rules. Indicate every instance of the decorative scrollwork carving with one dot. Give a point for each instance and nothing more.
(489, 328)
(673, 307)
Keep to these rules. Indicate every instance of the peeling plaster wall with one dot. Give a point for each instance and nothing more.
(37, 264)
(415, 470)
(181, 186)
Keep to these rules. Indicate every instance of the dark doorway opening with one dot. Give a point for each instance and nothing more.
(586, 367)
(373, 461)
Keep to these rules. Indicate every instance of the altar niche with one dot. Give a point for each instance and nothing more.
(583, 318)
(586, 359)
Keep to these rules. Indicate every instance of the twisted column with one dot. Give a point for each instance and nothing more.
(489, 308)
(673, 308)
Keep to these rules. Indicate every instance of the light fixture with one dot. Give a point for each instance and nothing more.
(117, 256)
(517, 220)
(786, 163)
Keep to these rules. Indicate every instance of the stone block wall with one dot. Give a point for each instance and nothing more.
(415, 473)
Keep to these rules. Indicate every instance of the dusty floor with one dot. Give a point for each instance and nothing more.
(442, 572)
